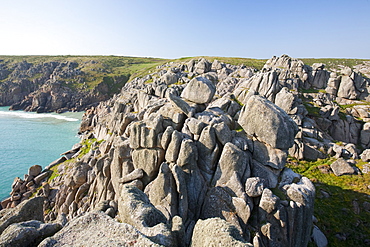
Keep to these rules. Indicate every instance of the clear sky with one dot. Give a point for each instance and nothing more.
(173, 29)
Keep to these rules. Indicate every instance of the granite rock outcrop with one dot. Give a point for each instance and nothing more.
(194, 154)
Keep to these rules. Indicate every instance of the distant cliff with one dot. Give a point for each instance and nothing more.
(63, 83)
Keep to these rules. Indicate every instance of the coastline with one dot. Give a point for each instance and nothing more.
(31, 138)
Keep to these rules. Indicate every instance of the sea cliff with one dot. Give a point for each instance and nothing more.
(64, 83)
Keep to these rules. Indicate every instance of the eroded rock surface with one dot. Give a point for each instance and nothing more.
(28, 210)
(268, 123)
(29, 233)
(97, 229)
(200, 148)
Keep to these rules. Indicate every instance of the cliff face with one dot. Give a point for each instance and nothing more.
(47, 84)
(195, 153)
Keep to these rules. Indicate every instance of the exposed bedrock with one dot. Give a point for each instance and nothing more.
(195, 154)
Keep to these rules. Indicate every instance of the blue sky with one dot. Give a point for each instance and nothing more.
(173, 29)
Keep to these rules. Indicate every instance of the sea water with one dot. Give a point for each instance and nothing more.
(28, 138)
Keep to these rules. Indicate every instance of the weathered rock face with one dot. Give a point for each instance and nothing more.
(216, 232)
(291, 66)
(97, 229)
(28, 210)
(191, 163)
(136, 209)
(162, 192)
(169, 78)
(341, 167)
(281, 81)
(29, 233)
(34, 170)
(319, 238)
(177, 161)
(268, 123)
(200, 90)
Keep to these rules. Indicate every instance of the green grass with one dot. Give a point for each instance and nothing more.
(35, 193)
(36, 76)
(335, 214)
(313, 111)
(277, 192)
(238, 102)
(333, 63)
(54, 174)
(311, 90)
(248, 62)
(86, 146)
(115, 71)
(344, 107)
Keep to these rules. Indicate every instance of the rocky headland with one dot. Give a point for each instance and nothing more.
(62, 83)
(200, 153)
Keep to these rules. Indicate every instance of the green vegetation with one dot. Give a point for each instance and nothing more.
(149, 81)
(336, 200)
(46, 211)
(36, 76)
(249, 62)
(277, 192)
(311, 90)
(340, 143)
(344, 107)
(54, 173)
(313, 111)
(36, 192)
(179, 83)
(238, 102)
(307, 100)
(114, 71)
(333, 63)
(86, 146)
(54, 169)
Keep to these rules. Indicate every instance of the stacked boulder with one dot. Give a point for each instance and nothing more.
(22, 189)
(175, 161)
(194, 154)
(284, 80)
(24, 225)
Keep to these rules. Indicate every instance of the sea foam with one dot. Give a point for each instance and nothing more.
(29, 138)
(30, 115)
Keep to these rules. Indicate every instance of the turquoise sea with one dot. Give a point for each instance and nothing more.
(28, 139)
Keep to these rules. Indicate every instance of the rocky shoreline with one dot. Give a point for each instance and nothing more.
(194, 154)
(59, 84)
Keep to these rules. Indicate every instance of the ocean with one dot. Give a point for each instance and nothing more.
(28, 138)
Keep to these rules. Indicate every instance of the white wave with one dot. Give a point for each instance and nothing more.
(36, 115)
